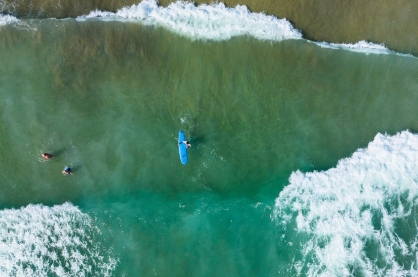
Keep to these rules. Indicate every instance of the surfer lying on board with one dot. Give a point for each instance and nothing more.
(67, 171)
(187, 143)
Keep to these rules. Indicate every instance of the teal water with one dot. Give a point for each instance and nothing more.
(108, 98)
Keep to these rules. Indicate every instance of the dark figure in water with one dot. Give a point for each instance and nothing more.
(47, 156)
(187, 143)
(67, 171)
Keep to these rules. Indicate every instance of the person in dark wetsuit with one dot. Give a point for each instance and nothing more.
(186, 143)
(47, 156)
(67, 171)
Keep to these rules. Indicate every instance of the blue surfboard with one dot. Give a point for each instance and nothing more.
(182, 148)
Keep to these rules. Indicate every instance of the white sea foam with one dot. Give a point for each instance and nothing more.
(357, 219)
(361, 47)
(218, 22)
(204, 22)
(51, 241)
(7, 19)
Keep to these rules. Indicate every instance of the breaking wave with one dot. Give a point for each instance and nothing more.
(51, 241)
(215, 22)
(218, 22)
(361, 47)
(204, 22)
(7, 19)
(357, 219)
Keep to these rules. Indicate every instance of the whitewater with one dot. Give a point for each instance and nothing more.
(38, 240)
(215, 22)
(367, 201)
(218, 22)
(7, 19)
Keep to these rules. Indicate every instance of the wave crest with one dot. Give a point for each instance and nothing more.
(41, 241)
(7, 19)
(357, 218)
(204, 22)
(362, 46)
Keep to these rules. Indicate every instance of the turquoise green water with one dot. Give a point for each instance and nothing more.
(108, 99)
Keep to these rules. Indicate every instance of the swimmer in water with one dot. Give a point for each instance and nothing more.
(67, 171)
(47, 156)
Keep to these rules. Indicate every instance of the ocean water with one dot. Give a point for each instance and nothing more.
(303, 158)
(339, 21)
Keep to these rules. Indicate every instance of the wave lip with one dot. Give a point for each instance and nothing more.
(351, 219)
(7, 19)
(362, 46)
(51, 241)
(204, 22)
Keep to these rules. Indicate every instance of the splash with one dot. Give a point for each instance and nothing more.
(51, 241)
(204, 22)
(357, 219)
(7, 19)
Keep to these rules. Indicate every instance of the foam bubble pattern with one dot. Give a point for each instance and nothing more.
(205, 22)
(7, 19)
(357, 219)
(51, 241)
